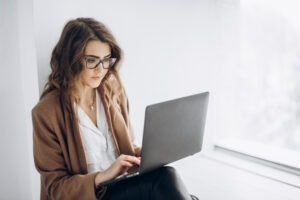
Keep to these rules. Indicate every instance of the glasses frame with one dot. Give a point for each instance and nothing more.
(112, 61)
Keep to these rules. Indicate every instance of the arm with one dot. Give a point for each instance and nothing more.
(50, 163)
(112, 83)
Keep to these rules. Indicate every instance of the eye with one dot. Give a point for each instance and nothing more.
(91, 60)
(106, 59)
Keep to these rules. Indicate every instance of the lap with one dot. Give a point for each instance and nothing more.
(138, 187)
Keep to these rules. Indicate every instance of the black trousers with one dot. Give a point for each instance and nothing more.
(161, 184)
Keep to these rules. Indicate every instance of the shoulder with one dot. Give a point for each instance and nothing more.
(48, 104)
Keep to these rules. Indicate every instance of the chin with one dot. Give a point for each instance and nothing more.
(95, 84)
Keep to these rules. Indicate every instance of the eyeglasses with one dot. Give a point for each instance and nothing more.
(93, 62)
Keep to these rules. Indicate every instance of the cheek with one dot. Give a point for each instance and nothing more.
(84, 76)
(103, 73)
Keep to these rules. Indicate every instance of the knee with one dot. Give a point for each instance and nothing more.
(169, 185)
(169, 170)
(168, 173)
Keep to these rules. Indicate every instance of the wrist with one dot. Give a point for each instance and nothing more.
(101, 177)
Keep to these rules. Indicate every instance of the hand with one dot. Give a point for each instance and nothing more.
(119, 167)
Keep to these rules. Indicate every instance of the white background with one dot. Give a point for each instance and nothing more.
(171, 49)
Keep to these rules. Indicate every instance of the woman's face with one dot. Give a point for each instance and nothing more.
(94, 51)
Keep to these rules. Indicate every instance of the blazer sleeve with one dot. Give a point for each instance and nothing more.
(56, 180)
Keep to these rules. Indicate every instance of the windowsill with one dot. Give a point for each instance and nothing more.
(249, 163)
(284, 158)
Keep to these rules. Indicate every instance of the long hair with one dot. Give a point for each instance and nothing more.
(65, 60)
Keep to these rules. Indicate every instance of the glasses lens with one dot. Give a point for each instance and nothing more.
(108, 62)
(91, 62)
(105, 63)
(112, 61)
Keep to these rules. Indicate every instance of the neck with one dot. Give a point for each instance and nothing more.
(87, 96)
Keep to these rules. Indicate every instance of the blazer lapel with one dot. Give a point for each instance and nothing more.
(77, 159)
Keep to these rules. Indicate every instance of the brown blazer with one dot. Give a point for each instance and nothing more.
(58, 152)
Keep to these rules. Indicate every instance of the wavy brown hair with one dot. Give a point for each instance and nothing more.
(65, 60)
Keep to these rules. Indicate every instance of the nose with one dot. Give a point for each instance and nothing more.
(100, 70)
(99, 67)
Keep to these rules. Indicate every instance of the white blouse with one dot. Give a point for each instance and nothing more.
(99, 147)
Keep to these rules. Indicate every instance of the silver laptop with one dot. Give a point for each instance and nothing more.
(172, 130)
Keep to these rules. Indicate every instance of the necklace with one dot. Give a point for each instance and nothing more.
(92, 107)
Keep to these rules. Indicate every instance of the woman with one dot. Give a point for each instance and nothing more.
(82, 132)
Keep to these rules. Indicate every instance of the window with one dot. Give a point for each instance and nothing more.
(260, 89)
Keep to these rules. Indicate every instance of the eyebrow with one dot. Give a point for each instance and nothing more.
(98, 56)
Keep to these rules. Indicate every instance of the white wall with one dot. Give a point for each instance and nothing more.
(169, 46)
(19, 92)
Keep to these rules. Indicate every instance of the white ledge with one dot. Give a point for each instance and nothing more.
(255, 163)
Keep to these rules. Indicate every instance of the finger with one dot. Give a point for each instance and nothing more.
(126, 164)
(129, 158)
(133, 160)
